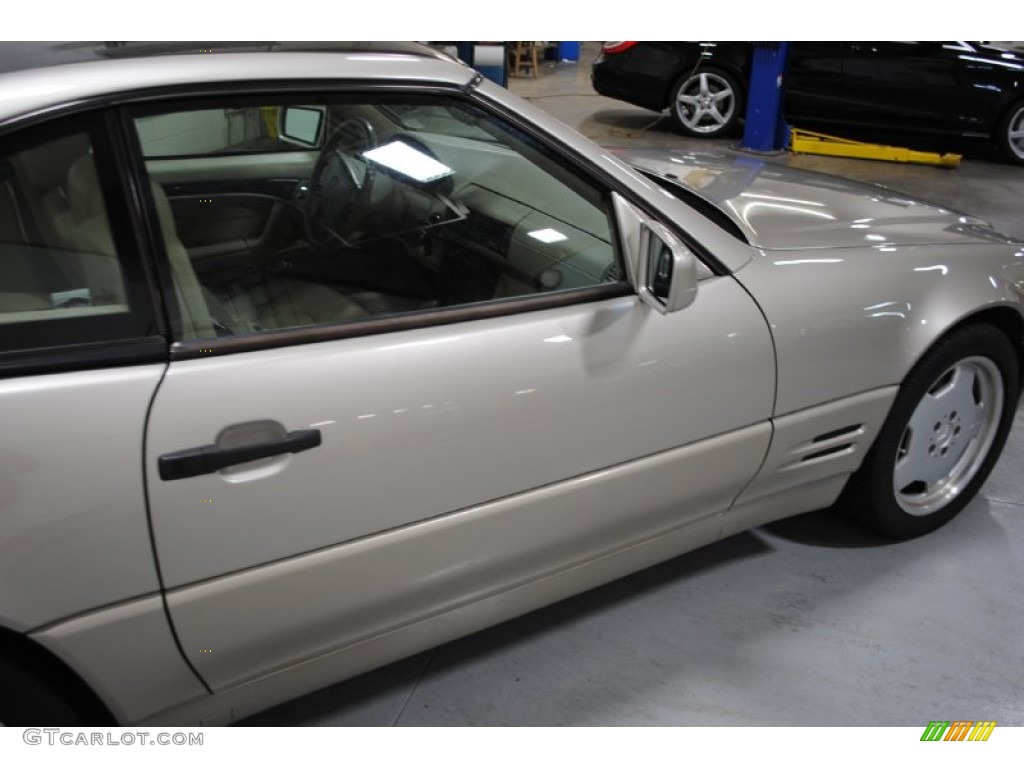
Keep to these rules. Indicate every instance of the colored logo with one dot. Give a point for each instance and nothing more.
(958, 730)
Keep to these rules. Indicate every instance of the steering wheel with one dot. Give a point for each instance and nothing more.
(341, 183)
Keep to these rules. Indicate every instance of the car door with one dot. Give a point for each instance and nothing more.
(814, 82)
(905, 85)
(442, 390)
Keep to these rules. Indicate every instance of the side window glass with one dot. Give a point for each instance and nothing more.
(212, 131)
(62, 276)
(342, 210)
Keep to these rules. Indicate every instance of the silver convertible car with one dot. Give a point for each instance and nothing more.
(311, 361)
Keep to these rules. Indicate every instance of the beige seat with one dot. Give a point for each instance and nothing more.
(42, 174)
(195, 312)
(294, 303)
(94, 246)
(90, 246)
(43, 215)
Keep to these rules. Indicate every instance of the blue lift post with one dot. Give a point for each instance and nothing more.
(765, 129)
(465, 50)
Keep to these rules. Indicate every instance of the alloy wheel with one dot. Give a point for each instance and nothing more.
(948, 436)
(1015, 133)
(705, 103)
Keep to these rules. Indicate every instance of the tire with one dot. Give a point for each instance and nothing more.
(942, 437)
(706, 103)
(28, 698)
(1010, 134)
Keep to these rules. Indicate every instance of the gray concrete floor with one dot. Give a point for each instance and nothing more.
(809, 621)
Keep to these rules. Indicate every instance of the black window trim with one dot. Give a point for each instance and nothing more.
(172, 98)
(407, 321)
(145, 215)
(157, 281)
(703, 206)
(83, 357)
(145, 95)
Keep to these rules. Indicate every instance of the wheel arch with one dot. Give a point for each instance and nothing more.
(54, 672)
(1006, 102)
(872, 316)
(986, 291)
(1004, 317)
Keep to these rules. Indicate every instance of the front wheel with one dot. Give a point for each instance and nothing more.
(944, 434)
(1010, 133)
(706, 103)
(29, 697)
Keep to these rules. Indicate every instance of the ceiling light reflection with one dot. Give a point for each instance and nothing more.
(412, 163)
(548, 235)
(746, 210)
(775, 199)
(808, 261)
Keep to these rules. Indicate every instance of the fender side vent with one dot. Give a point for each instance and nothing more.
(837, 433)
(844, 448)
(825, 448)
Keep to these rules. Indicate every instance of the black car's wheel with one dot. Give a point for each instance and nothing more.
(1011, 133)
(706, 103)
(942, 437)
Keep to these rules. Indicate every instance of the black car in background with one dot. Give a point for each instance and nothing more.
(925, 89)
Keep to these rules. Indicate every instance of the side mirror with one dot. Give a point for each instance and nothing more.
(666, 278)
(301, 125)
